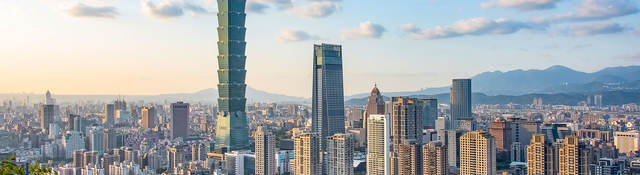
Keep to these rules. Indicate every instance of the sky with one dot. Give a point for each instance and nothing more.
(149, 47)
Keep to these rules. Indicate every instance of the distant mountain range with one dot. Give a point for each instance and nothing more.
(555, 79)
(209, 95)
(617, 97)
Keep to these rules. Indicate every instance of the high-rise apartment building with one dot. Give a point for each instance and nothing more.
(452, 140)
(307, 153)
(78, 156)
(73, 140)
(500, 129)
(327, 116)
(109, 114)
(573, 157)
(477, 153)
(175, 156)
(180, 119)
(434, 156)
(148, 117)
(429, 113)
(627, 141)
(378, 144)
(340, 154)
(231, 129)
(96, 139)
(46, 116)
(265, 152)
(540, 155)
(406, 135)
(460, 101)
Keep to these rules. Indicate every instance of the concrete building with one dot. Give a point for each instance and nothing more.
(180, 119)
(96, 139)
(307, 154)
(265, 152)
(429, 113)
(46, 116)
(73, 140)
(406, 135)
(109, 114)
(540, 155)
(340, 154)
(378, 144)
(434, 156)
(627, 142)
(477, 153)
(573, 157)
(148, 117)
(500, 129)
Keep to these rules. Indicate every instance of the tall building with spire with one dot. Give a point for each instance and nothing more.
(375, 105)
(327, 116)
(231, 128)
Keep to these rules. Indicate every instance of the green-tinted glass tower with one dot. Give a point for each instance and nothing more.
(231, 128)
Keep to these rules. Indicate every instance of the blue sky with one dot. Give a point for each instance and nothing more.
(168, 46)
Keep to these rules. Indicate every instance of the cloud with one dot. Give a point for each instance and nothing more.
(366, 29)
(597, 29)
(473, 26)
(316, 9)
(82, 10)
(256, 7)
(524, 5)
(289, 35)
(170, 9)
(590, 10)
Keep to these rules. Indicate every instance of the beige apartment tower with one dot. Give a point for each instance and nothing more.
(434, 156)
(307, 154)
(265, 163)
(340, 154)
(573, 157)
(378, 144)
(477, 153)
(539, 156)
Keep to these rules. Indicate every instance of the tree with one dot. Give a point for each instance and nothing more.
(8, 166)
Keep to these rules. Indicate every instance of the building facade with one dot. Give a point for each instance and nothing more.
(378, 144)
(540, 155)
(477, 153)
(231, 129)
(434, 156)
(327, 116)
(148, 117)
(307, 153)
(340, 154)
(265, 152)
(460, 101)
(180, 119)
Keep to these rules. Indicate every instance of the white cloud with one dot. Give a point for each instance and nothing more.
(289, 35)
(280, 4)
(590, 10)
(256, 7)
(316, 9)
(82, 10)
(473, 26)
(597, 29)
(366, 29)
(523, 5)
(170, 9)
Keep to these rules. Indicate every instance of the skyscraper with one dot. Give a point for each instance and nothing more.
(180, 119)
(307, 154)
(148, 117)
(109, 114)
(46, 116)
(265, 152)
(96, 139)
(500, 129)
(460, 101)
(73, 140)
(378, 144)
(539, 156)
(327, 116)
(429, 113)
(406, 134)
(477, 153)
(340, 154)
(231, 128)
(434, 157)
(573, 157)
(375, 105)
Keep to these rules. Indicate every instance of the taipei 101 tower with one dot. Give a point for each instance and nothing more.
(231, 128)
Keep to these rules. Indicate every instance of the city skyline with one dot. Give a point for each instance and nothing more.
(74, 46)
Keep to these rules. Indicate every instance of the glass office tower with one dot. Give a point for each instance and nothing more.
(328, 95)
(231, 128)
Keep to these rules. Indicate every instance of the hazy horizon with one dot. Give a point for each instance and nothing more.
(139, 47)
